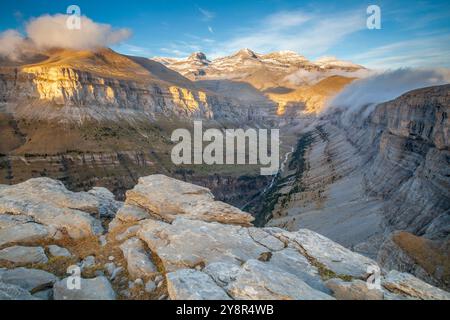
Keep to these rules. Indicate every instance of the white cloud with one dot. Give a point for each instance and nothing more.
(11, 44)
(307, 33)
(48, 31)
(419, 52)
(363, 95)
(210, 29)
(51, 31)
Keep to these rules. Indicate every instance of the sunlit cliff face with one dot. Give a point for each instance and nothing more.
(189, 100)
(70, 87)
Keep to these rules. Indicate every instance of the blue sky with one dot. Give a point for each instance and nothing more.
(413, 33)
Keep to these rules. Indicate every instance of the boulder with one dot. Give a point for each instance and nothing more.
(23, 255)
(189, 284)
(90, 289)
(58, 251)
(168, 198)
(88, 262)
(188, 243)
(32, 280)
(139, 264)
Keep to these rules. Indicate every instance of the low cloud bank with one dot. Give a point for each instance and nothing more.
(363, 95)
(48, 32)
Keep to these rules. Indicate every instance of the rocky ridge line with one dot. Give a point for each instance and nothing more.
(171, 240)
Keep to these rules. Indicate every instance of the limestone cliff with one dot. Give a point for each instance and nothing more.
(356, 179)
(79, 86)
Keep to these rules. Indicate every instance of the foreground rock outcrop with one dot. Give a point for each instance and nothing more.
(172, 240)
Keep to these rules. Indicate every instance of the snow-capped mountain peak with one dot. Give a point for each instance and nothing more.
(330, 61)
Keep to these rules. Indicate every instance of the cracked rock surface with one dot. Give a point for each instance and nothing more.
(171, 240)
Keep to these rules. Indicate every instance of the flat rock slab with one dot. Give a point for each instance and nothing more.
(90, 289)
(188, 243)
(257, 280)
(328, 253)
(291, 261)
(23, 233)
(130, 213)
(407, 284)
(29, 279)
(168, 198)
(139, 264)
(48, 202)
(13, 292)
(10, 220)
(23, 255)
(57, 251)
(189, 284)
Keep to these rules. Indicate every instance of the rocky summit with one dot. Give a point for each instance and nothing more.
(172, 240)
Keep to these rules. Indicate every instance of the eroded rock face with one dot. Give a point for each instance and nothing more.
(156, 194)
(356, 178)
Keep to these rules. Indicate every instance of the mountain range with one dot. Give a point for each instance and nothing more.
(376, 182)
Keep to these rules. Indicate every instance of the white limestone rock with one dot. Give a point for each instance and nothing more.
(58, 251)
(139, 264)
(261, 281)
(98, 288)
(354, 290)
(23, 255)
(23, 233)
(187, 243)
(407, 284)
(188, 284)
(331, 255)
(32, 280)
(108, 205)
(13, 292)
(168, 198)
(48, 202)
